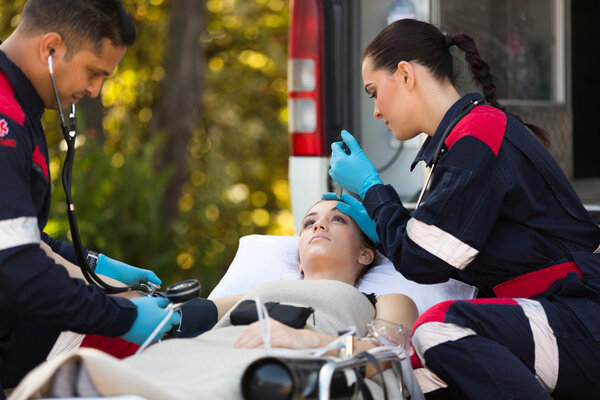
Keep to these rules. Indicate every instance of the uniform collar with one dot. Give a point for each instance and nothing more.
(24, 91)
(427, 151)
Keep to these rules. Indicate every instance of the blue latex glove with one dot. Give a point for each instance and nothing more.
(355, 210)
(150, 313)
(354, 171)
(122, 272)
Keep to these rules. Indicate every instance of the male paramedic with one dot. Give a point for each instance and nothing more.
(38, 299)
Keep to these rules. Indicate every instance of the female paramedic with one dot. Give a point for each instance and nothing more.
(500, 215)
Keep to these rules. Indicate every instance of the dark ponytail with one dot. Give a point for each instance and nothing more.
(481, 72)
(412, 40)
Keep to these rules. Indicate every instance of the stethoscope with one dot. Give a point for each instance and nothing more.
(441, 145)
(177, 293)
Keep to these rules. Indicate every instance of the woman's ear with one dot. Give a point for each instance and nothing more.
(366, 256)
(405, 74)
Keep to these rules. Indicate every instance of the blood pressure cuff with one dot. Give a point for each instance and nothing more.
(293, 316)
(198, 315)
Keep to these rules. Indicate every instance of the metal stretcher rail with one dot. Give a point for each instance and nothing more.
(405, 377)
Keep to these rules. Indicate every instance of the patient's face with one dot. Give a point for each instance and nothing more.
(330, 244)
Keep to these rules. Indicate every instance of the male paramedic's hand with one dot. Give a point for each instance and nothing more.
(355, 210)
(150, 312)
(354, 171)
(122, 272)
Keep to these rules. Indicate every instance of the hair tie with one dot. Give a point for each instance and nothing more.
(449, 40)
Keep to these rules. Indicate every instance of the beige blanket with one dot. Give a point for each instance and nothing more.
(205, 367)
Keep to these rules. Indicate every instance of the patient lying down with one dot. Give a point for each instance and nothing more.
(333, 255)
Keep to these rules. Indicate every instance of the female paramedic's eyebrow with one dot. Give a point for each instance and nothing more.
(367, 87)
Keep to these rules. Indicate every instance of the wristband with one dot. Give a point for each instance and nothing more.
(91, 260)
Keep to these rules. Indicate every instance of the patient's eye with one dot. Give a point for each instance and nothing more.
(307, 222)
(338, 218)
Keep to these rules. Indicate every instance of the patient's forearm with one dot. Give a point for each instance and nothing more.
(224, 304)
(358, 346)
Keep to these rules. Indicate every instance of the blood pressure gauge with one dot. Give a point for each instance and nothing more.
(183, 291)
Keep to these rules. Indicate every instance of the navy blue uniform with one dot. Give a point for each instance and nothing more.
(37, 297)
(499, 215)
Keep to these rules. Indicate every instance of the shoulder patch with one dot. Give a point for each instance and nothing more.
(4, 129)
(9, 106)
(485, 123)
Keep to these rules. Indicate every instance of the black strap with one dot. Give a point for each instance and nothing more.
(372, 360)
(362, 386)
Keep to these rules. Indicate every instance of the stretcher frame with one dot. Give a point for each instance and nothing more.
(401, 367)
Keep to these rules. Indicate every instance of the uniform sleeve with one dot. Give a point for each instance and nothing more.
(32, 286)
(446, 233)
(65, 249)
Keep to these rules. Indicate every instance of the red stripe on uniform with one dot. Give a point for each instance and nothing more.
(39, 159)
(9, 106)
(536, 282)
(485, 123)
(437, 313)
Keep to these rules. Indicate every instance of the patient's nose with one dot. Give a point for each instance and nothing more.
(319, 225)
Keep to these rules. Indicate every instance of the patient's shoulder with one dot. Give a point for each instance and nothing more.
(397, 308)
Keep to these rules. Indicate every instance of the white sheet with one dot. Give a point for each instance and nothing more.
(265, 258)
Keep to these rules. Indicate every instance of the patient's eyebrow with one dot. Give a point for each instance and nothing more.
(315, 213)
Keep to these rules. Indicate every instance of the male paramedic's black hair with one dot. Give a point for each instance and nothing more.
(81, 23)
(412, 40)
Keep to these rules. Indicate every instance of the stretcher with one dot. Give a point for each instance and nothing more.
(262, 258)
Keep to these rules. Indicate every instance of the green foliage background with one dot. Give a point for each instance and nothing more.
(236, 161)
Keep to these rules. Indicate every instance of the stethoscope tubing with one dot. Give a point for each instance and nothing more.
(441, 145)
(70, 134)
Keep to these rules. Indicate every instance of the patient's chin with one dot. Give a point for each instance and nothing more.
(319, 259)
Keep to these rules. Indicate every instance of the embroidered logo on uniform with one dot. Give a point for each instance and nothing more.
(3, 132)
(3, 127)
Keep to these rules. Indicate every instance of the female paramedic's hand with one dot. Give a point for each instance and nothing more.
(354, 171)
(355, 210)
(281, 336)
(150, 312)
(122, 272)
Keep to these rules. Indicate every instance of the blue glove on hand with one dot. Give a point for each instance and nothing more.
(122, 272)
(354, 171)
(150, 312)
(355, 210)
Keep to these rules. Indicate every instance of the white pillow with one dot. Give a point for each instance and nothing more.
(264, 258)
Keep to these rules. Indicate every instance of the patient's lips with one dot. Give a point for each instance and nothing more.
(318, 236)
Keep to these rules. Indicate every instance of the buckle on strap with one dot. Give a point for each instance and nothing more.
(536, 282)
